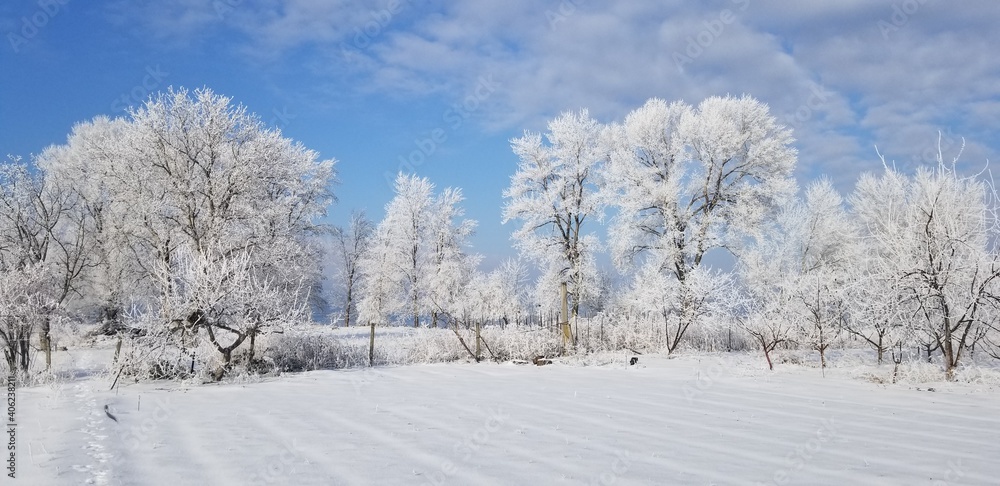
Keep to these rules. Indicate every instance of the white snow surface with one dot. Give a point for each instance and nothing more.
(708, 419)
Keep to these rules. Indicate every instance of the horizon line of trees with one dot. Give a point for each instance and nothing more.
(191, 223)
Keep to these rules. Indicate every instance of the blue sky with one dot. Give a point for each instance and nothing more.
(440, 87)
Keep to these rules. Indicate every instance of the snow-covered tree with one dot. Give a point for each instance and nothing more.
(798, 271)
(688, 180)
(88, 164)
(761, 311)
(27, 302)
(418, 261)
(879, 312)
(500, 295)
(935, 233)
(225, 301)
(404, 236)
(823, 243)
(451, 266)
(190, 173)
(40, 228)
(349, 245)
(553, 194)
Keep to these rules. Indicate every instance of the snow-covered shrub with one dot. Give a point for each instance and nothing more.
(303, 352)
(519, 342)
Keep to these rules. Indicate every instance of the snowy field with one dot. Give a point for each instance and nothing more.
(690, 420)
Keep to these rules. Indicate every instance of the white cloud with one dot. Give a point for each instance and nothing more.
(846, 75)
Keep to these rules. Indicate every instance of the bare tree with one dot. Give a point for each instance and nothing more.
(350, 245)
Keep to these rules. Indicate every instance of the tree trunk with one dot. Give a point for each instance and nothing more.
(564, 318)
(371, 345)
(45, 342)
(478, 341)
(25, 348)
(253, 336)
(347, 308)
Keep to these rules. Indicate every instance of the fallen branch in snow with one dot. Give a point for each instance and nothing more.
(462, 340)
(108, 413)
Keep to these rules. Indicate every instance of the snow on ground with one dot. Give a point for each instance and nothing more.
(691, 420)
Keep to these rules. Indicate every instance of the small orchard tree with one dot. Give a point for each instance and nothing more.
(823, 242)
(764, 307)
(879, 310)
(224, 301)
(761, 316)
(801, 266)
(937, 232)
(674, 307)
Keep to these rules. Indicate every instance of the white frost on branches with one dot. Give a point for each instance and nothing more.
(417, 264)
(553, 194)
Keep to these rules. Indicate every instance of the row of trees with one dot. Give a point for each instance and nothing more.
(913, 261)
(680, 182)
(199, 225)
(906, 261)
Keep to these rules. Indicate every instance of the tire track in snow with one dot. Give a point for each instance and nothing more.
(801, 434)
(738, 395)
(642, 431)
(737, 399)
(873, 421)
(460, 433)
(896, 406)
(310, 450)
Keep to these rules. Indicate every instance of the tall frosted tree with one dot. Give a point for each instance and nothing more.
(688, 180)
(89, 164)
(553, 195)
(419, 248)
